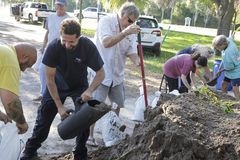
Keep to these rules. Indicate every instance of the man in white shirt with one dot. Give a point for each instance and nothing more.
(116, 38)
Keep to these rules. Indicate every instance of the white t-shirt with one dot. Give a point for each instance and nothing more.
(114, 57)
(53, 26)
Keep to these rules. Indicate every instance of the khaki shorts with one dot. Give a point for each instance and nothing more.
(115, 94)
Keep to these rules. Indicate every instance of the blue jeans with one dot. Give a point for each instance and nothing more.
(46, 114)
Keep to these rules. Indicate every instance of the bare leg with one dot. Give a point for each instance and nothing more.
(236, 92)
(224, 86)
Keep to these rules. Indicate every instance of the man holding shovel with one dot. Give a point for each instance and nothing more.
(66, 61)
(231, 62)
(116, 40)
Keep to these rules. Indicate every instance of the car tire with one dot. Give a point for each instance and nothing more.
(30, 18)
(157, 52)
(81, 16)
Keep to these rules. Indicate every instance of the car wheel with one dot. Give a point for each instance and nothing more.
(78, 16)
(30, 18)
(17, 18)
(157, 51)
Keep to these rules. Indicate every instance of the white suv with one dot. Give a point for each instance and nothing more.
(150, 34)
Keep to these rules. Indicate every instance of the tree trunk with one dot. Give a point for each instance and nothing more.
(162, 17)
(206, 17)
(171, 16)
(225, 15)
(195, 18)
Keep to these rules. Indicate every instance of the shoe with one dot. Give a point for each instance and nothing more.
(28, 156)
(80, 157)
(92, 142)
(38, 98)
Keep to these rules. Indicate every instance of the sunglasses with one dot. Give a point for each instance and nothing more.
(130, 21)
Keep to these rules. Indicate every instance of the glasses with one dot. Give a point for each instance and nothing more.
(129, 20)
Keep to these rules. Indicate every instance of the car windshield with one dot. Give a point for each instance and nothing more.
(147, 23)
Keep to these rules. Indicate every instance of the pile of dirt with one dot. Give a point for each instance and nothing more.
(187, 127)
(182, 128)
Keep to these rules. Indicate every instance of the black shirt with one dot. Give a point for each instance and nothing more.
(73, 65)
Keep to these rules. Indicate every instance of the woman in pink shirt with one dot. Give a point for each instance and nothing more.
(181, 66)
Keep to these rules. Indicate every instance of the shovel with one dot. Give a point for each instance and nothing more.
(213, 82)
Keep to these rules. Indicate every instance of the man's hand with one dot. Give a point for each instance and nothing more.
(132, 29)
(22, 128)
(87, 95)
(63, 112)
(4, 118)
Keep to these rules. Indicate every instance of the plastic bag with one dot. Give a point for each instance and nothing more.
(10, 143)
(156, 98)
(140, 107)
(111, 131)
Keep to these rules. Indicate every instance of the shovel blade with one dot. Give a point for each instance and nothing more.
(212, 82)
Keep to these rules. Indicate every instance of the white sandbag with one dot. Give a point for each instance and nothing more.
(175, 92)
(111, 124)
(156, 98)
(10, 143)
(139, 107)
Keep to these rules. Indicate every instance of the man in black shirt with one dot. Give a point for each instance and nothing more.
(66, 61)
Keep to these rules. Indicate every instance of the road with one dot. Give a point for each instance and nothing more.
(196, 30)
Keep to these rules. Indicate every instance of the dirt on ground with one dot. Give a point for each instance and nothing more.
(187, 127)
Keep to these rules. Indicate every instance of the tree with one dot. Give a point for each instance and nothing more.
(225, 10)
(115, 4)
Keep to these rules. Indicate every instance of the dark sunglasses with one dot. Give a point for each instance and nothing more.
(129, 20)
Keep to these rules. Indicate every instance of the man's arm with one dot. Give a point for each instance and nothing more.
(13, 107)
(100, 75)
(134, 58)
(45, 41)
(52, 87)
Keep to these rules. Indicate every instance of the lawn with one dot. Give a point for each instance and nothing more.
(174, 42)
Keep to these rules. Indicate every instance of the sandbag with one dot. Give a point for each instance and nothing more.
(10, 142)
(140, 107)
(156, 98)
(112, 129)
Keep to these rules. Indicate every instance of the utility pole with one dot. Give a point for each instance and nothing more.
(98, 8)
(80, 14)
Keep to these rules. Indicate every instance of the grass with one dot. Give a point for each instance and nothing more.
(174, 42)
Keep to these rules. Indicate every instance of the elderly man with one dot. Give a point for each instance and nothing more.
(116, 40)
(13, 60)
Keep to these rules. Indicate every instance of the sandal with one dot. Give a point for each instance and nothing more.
(91, 142)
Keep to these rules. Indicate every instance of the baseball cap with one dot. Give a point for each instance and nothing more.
(61, 2)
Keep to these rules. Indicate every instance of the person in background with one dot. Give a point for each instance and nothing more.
(52, 25)
(115, 39)
(182, 66)
(13, 60)
(231, 63)
(204, 51)
(66, 60)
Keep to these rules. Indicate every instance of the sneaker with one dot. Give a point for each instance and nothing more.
(28, 156)
(38, 98)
